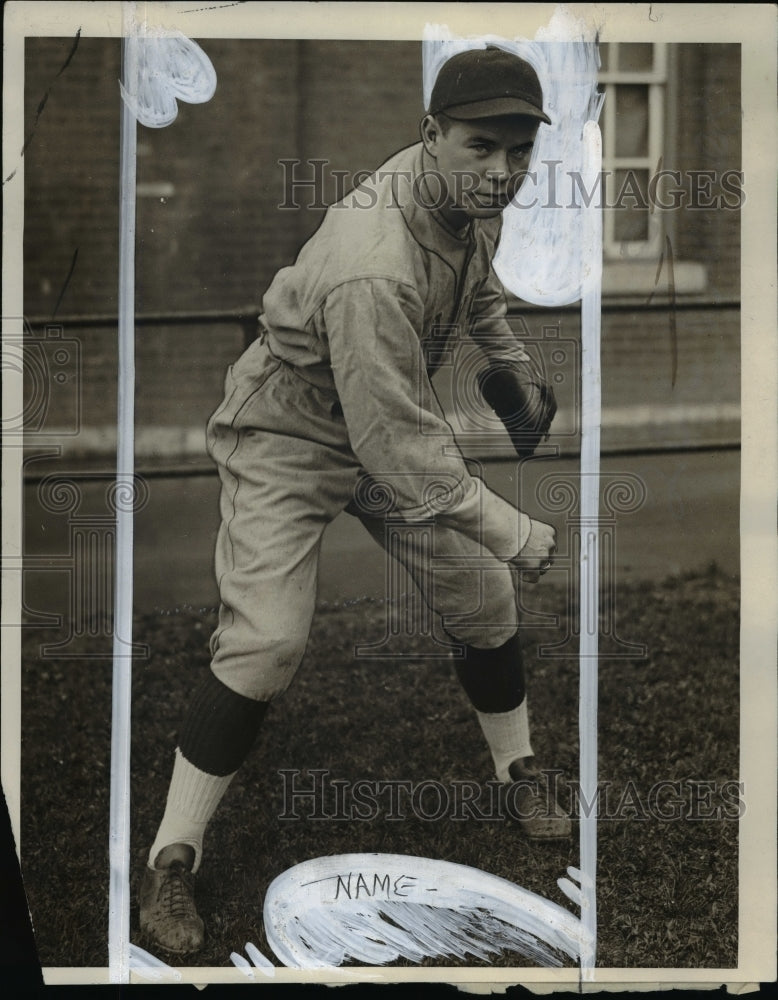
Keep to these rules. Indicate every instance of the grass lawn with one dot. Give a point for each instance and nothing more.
(667, 854)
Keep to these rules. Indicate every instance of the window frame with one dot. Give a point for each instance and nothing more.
(657, 79)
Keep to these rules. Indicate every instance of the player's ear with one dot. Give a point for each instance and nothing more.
(430, 134)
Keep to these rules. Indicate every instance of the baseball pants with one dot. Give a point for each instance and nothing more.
(287, 470)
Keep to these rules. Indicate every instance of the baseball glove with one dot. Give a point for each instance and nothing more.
(522, 399)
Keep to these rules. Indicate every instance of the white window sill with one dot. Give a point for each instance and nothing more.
(639, 277)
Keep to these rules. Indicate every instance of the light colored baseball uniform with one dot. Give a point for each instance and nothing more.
(332, 409)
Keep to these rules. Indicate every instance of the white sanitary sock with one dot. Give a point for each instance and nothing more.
(507, 734)
(192, 800)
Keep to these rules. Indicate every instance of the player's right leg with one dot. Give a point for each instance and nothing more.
(286, 472)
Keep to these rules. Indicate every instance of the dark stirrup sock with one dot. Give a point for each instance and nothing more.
(220, 727)
(493, 679)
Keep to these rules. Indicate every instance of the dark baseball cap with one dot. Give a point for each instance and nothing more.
(483, 83)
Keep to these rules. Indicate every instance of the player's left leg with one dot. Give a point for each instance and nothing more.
(474, 595)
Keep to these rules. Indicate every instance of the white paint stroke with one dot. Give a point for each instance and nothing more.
(540, 257)
(121, 689)
(571, 890)
(576, 874)
(171, 67)
(242, 963)
(591, 404)
(376, 908)
(147, 966)
(155, 71)
(258, 961)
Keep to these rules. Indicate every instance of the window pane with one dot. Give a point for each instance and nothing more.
(636, 56)
(604, 55)
(628, 194)
(631, 120)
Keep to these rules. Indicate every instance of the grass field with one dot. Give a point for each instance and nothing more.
(667, 887)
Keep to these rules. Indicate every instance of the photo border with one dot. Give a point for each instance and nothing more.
(751, 25)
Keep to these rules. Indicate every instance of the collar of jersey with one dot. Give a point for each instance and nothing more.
(426, 225)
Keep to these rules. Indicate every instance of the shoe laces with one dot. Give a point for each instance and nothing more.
(175, 893)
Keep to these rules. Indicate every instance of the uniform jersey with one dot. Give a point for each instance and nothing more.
(375, 298)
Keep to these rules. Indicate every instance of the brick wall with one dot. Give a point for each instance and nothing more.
(71, 171)
(210, 234)
(709, 127)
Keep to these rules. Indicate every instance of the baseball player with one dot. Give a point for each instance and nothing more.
(325, 408)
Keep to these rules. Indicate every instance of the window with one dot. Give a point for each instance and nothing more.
(634, 76)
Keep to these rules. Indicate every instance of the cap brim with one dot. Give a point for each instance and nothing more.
(496, 107)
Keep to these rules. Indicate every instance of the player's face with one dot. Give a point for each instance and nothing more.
(482, 163)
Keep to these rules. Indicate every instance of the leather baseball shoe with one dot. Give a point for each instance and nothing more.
(167, 908)
(532, 800)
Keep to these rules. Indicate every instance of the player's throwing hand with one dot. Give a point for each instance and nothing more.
(538, 552)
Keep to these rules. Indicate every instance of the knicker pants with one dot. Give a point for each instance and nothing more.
(287, 470)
